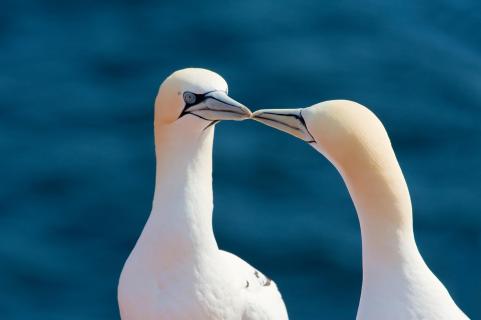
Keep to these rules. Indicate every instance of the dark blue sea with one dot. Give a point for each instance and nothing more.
(77, 84)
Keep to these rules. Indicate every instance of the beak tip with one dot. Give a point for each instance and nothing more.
(257, 113)
(227, 108)
(257, 116)
(246, 113)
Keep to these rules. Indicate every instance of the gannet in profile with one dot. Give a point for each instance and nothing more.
(397, 284)
(176, 271)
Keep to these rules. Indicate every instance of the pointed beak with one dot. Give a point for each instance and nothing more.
(288, 120)
(219, 106)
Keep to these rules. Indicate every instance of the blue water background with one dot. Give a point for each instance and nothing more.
(77, 83)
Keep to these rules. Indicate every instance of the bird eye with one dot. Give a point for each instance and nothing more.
(189, 97)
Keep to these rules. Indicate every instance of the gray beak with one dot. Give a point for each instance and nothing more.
(288, 120)
(217, 106)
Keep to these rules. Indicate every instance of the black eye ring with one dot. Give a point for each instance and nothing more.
(189, 97)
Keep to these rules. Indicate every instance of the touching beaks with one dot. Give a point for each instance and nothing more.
(217, 105)
(288, 120)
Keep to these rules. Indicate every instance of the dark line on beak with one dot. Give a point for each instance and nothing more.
(211, 124)
(277, 121)
(232, 105)
(298, 117)
(197, 116)
(226, 103)
(305, 125)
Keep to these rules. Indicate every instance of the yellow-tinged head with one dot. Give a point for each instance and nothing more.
(346, 132)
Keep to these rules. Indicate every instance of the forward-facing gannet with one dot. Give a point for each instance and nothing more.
(397, 284)
(176, 271)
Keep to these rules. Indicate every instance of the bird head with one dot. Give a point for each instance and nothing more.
(197, 93)
(346, 132)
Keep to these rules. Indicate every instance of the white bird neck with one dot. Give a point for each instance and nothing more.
(381, 197)
(357, 144)
(180, 224)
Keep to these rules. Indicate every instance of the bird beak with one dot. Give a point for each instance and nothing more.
(288, 120)
(219, 106)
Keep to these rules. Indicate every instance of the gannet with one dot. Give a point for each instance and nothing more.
(176, 270)
(397, 284)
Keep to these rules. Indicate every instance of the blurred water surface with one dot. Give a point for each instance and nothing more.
(77, 83)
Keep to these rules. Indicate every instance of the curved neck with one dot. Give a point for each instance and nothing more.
(180, 224)
(381, 197)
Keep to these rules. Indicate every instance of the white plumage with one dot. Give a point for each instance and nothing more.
(397, 283)
(176, 270)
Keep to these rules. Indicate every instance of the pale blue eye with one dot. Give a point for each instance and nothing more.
(189, 97)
